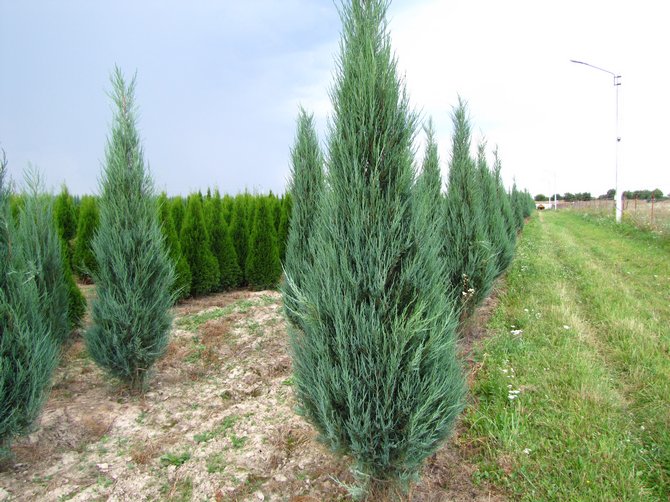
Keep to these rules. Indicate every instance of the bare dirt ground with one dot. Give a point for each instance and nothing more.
(217, 423)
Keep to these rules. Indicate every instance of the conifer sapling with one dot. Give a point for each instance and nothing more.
(135, 277)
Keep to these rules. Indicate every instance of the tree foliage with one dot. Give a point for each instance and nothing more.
(65, 216)
(239, 232)
(263, 268)
(182, 283)
(306, 184)
(284, 223)
(508, 236)
(134, 281)
(196, 248)
(28, 348)
(83, 259)
(177, 208)
(374, 352)
(222, 247)
(37, 242)
(469, 253)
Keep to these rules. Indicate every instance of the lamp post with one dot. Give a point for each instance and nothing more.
(617, 83)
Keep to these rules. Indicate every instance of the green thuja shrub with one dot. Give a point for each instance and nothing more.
(66, 222)
(83, 259)
(182, 283)
(76, 303)
(469, 254)
(135, 277)
(222, 247)
(305, 186)
(28, 349)
(284, 222)
(195, 246)
(16, 203)
(177, 209)
(227, 206)
(374, 353)
(239, 233)
(65, 216)
(263, 268)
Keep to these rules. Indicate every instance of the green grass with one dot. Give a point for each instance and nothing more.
(223, 427)
(191, 322)
(576, 405)
(176, 459)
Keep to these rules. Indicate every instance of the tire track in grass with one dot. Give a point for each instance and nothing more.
(551, 413)
(635, 333)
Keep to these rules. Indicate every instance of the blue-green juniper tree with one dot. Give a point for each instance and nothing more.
(374, 351)
(29, 338)
(135, 276)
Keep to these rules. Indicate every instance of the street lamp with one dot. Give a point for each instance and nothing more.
(617, 83)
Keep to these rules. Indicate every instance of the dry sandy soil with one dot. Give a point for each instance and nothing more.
(217, 423)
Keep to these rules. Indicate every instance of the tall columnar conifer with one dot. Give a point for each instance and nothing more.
(469, 253)
(131, 312)
(507, 213)
(227, 204)
(37, 241)
(76, 306)
(239, 232)
(83, 259)
(284, 222)
(182, 283)
(306, 184)
(275, 207)
(493, 218)
(64, 214)
(517, 206)
(28, 348)
(374, 352)
(222, 247)
(196, 249)
(66, 223)
(263, 268)
(177, 208)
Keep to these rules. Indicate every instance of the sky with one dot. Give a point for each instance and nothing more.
(219, 84)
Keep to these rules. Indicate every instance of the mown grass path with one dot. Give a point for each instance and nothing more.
(572, 399)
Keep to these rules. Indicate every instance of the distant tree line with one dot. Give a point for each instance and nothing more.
(609, 195)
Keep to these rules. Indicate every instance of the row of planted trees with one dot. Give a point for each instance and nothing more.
(229, 227)
(381, 266)
(216, 243)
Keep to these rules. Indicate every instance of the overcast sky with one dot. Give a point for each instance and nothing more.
(219, 84)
